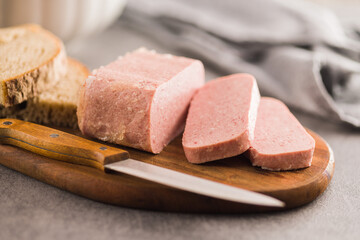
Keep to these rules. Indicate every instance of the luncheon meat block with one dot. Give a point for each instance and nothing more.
(281, 142)
(221, 119)
(140, 100)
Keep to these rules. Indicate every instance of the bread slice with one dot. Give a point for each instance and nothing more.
(31, 61)
(56, 107)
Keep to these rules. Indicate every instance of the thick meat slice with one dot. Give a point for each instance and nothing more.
(140, 100)
(221, 119)
(281, 142)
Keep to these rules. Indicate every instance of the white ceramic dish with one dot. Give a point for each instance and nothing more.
(68, 19)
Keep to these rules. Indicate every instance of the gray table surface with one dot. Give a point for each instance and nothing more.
(30, 209)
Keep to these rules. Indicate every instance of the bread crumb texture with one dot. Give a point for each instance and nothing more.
(56, 106)
(32, 61)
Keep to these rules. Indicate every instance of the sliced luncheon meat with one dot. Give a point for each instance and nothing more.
(281, 142)
(221, 119)
(140, 100)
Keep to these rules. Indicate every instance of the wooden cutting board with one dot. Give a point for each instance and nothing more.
(295, 188)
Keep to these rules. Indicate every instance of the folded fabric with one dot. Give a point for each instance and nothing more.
(298, 51)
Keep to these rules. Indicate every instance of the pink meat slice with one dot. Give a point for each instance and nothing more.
(221, 119)
(281, 142)
(140, 100)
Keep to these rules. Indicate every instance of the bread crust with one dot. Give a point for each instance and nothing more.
(35, 110)
(81, 107)
(29, 84)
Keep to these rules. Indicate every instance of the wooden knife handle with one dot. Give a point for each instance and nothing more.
(58, 145)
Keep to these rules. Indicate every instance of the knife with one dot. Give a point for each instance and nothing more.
(66, 147)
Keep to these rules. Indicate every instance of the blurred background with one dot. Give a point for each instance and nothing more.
(68, 19)
(304, 52)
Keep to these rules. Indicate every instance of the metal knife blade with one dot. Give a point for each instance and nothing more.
(192, 184)
(63, 146)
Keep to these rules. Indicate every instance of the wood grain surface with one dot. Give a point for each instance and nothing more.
(295, 188)
(57, 144)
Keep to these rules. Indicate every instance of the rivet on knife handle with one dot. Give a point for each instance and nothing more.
(58, 145)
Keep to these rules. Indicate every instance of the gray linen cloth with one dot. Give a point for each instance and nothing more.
(298, 51)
